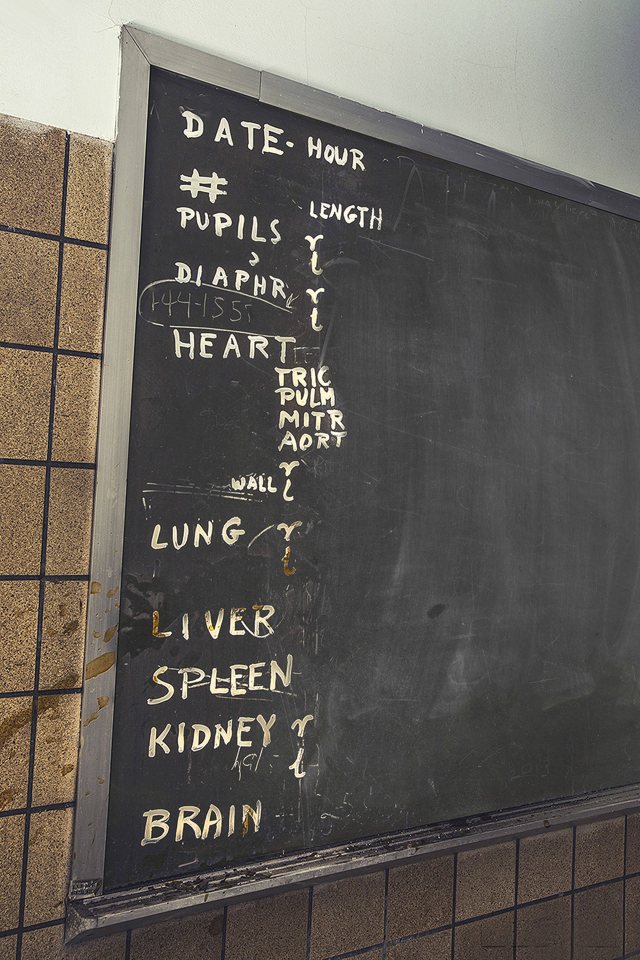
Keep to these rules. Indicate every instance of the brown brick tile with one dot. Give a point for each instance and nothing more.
(88, 188)
(18, 630)
(25, 385)
(420, 897)
(82, 298)
(70, 514)
(545, 866)
(632, 916)
(490, 939)
(599, 851)
(76, 412)
(48, 865)
(544, 931)
(11, 839)
(633, 843)
(56, 749)
(15, 737)
(32, 170)
(193, 938)
(28, 278)
(8, 947)
(435, 946)
(273, 928)
(598, 923)
(486, 880)
(347, 915)
(48, 944)
(63, 631)
(21, 506)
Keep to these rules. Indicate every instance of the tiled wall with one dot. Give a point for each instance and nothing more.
(562, 895)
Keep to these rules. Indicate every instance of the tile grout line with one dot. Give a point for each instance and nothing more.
(43, 559)
(43, 808)
(45, 925)
(38, 348)
(385, 913)
(58, 238)
(127, 945)
(48, 692)
(515, 900)
(454, 894)
(624, 887)
(48, 578)
(573, 896)
(60, 464)
(223, 949)
(309, 923)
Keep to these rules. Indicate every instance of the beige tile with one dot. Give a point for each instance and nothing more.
(56, 757)
(486, 880)
(32, 170)
(18, 631)
(274, 928)
(76, 413)
(599, 851)
(194, 938)
(88, 188)
(544, 931)
(632, 916)
(48, 865)
(48, 944)
(490, 939)
(82, 299)
(420, 897)
(435, 946)
(11, 841)
(633, 843)
(28, 279)
(15, 737)
(8, 947)
(21, 506)
(598, 923)
(347, 915)
(25, 386)
(69, 528)
(63, 631)
(545, 865)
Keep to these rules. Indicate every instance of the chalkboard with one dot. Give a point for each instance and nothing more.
(382, 532)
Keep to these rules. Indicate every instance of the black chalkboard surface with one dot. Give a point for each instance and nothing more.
(383, 503)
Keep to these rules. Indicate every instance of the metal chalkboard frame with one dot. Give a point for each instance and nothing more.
(90, 912)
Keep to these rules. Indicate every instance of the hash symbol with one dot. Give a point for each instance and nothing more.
(196, 184)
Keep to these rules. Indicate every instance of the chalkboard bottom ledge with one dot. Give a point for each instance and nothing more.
(91, 913)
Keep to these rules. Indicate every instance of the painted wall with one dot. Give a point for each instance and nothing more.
(555, 81)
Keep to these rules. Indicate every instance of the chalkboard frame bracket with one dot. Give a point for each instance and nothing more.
(91, 912)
